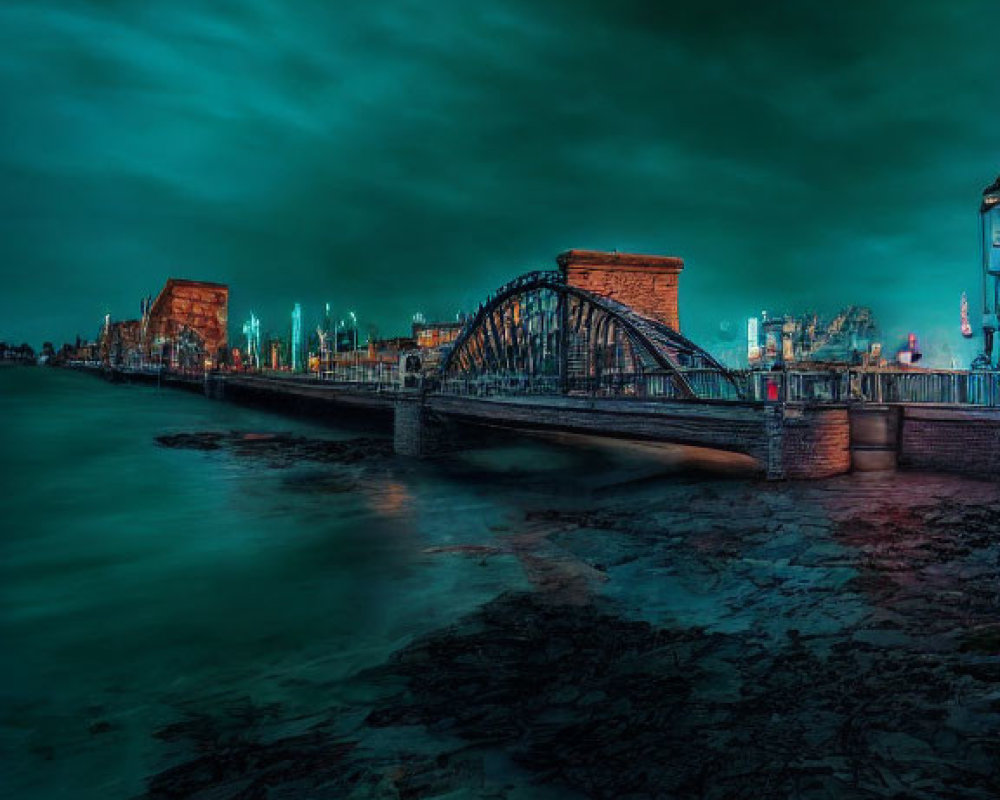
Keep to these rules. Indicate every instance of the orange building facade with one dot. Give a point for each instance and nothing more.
(189, 316)
(184, 327)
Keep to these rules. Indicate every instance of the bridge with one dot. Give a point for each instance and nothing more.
(595, 348)
(545, 353)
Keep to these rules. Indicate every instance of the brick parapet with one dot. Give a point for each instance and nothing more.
(951, 440)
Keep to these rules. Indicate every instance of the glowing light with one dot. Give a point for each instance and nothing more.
(297, 338)
(251, 329)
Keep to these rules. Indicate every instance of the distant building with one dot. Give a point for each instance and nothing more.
(847, 338)
(79, 352)
(17, 354)
(121, 343)
(389, 349)
(187, 323)
(753, 339)
(184, 327)
(428, 335)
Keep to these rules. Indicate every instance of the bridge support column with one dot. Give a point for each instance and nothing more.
(774, 428)
(806, 443)
(874, 438)
(419, 432)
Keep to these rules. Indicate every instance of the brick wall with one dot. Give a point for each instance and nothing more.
(203, 307)
(816, 443)
(647, 284)
(802, 443)
(951, 440)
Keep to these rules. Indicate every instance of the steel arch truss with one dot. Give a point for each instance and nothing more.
(539, 335)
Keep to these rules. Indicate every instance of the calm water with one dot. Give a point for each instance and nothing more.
(136, 579)
(140, 583)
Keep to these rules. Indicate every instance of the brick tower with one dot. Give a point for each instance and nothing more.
(648, 284)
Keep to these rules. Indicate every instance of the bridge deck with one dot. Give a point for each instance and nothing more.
(737, 427)
(805, 440)
(340, 394)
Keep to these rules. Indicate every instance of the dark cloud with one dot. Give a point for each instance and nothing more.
(405, 156)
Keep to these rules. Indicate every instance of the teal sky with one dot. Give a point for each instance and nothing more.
(398, 156)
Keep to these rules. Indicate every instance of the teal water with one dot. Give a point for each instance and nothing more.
(136, 580)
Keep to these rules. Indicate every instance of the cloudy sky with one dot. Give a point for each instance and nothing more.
(398, 156)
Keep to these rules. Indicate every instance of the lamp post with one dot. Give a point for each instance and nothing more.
(297, 337)
(354, 322)
(336, 345)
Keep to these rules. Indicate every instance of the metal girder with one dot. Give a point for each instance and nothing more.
(639, 335)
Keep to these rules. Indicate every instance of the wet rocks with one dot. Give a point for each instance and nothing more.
(573, 692)
(281, 449)
(234, 757)
(612, 708)
(850, 650)
(207, 440)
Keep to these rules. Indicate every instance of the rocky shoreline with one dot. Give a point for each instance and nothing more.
(714, 639)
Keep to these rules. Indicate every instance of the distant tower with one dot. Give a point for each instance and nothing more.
(251, 328)
(989, 227)
(753, 340)
(297, 338)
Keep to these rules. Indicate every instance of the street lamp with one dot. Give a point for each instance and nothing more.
(336, 345)
(354, 322)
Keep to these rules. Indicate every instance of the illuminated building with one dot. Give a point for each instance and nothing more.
(186, 324)
(435, 334)
(847, 338)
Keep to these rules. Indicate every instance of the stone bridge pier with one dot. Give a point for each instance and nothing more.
(421, 432)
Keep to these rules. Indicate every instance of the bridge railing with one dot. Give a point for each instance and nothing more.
(961, 388)
(792, 386)
(366, 377)
(942, 387)
(707, 384)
